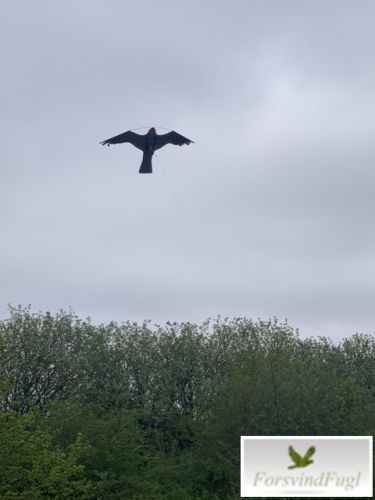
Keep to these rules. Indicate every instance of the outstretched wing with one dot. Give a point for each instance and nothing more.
(171, 138)
(296, 457)
(137, 140)
(309, 453)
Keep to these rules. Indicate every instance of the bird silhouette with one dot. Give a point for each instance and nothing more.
(300, 461)
(148, 143)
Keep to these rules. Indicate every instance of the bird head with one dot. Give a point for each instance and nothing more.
(152, 131)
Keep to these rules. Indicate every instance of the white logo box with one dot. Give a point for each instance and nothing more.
(340, 466)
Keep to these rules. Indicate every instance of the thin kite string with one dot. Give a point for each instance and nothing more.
(197, 233)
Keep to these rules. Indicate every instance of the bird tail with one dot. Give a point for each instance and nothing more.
(146, 166)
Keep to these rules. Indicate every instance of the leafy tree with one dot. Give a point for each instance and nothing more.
(32, 467)
(136, 411)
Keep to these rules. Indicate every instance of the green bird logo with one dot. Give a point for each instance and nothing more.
(301, 461)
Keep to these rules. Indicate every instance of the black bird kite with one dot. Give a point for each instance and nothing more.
(148, 143)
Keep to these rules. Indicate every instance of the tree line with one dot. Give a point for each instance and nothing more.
(142, 411)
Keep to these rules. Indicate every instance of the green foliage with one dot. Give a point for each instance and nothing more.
(118, 458)
(134, 411)
(31, 467)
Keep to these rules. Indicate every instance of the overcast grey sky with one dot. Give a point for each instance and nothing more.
(279, 186)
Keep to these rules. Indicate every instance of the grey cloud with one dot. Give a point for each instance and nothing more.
(277, 96)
